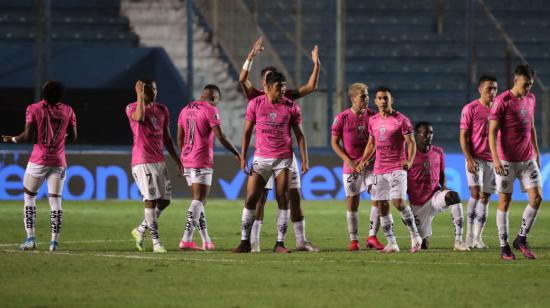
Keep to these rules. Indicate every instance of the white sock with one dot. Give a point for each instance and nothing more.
(458, 220)
(527, 221)
(471, 215)
(247, 219)
(353, 225)
(387, 227)
(151, 219)
(143, 226)
(29, 214)
(203, 230)
(56, 217)
(255, 232)
(192, 222)
(300, 232)
(282, 224)
(482, 212)
(374, 221)
(503, 228)
(408, 220)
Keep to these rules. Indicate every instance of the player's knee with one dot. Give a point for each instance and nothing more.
(452, 197)
(536, 200)
(484, 198)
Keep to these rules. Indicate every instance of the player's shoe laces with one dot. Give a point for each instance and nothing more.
(390, 248)
(280, 248)
(460, 246)
(353, 245)
(521, 243)
(208, 246)
(479, 244)
(28, 244)
(506, 253)
(243, 247)
(53, 245)
(255, 247)
(159, 249)
(416, 244)
(138, 237)
(189, 246)
(307, 246)
(373, 242)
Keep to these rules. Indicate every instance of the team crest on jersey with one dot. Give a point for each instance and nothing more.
(426, 167)
(361, 128)
(382, 133)
(154, 122)
(524, 114)
(272, 116)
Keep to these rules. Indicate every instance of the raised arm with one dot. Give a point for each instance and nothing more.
(245, 142)
(494, 127)
(311, 84)
(246, 85)
(302, 145)
(465, 146)
(339, 150)
(139, 113)
(29, 134)
(226, 144)
(411, 151)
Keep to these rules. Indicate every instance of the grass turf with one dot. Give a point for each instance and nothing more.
(97, 265)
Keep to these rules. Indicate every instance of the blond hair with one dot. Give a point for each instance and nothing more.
(357, 87)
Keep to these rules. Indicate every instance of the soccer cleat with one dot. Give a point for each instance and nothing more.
(307, 246)
(255, 247)
(521, 243)
(138, 237)
(416, 244)
(373, 242)
(189, 246)
(460, 246)
(479, 244)
(353, 245)
(280, 248)
(53, 245)
(159, 249)
(244, 247)
(390, 248)
(208, 246)
(28, 244)
(506, 253)
(470, 240)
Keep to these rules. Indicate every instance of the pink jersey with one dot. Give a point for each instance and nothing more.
(273, 123)
(475, 120)
(197, 120)
(51, 122)
(388, 133)
(148, 143)
(424, 175)
(255, 93)
(516, 121)
(352, 129)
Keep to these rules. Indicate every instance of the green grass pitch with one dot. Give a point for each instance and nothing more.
(97, 266)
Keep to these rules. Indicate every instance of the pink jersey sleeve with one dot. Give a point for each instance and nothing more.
(251, 111)
(497, 112)
(167, 117)
(214, 117)
(337, 127)
(29, 114)
(129, 110)
(466, 118)
(406, 126)
(296, 115)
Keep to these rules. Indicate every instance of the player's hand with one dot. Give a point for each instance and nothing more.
(180, 169)
(243, 165)
(315, 55)
(471, 166)
(499, 167)
(361, 166)
(256, 48)
(305, 167)
(406, 165)
(6, 139)
(140, 89)
(351, 164)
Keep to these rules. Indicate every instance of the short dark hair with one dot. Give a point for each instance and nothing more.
(420, 124)
(524, 70)
(275, 77)
(52, 91)
(382, 89)
(484, 78)
(213, 87)
(147, 80)
(266, 69)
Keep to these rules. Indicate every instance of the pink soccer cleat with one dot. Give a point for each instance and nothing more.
(373, 242)
(208, 246)
(189, 246)
(353, 245)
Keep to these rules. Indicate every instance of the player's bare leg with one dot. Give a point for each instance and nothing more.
(197, 218)
(281, 190)
(408, 220)
(528, 220)
(258, 221)
(298, 221)
(352, 216)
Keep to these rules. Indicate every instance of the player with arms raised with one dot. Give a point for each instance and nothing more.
(47, 124)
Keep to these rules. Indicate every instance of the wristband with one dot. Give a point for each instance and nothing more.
(13, 140)
(247, 65)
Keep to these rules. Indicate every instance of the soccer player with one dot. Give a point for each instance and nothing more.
(273, 116)
(389, 131)
(349, 138)
(47, 123)
(474, 141)
(515, 152)
(426, 188)
(296, 212)
(149, 122)
(197, 124)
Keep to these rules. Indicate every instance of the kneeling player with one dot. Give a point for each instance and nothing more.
(426, 188)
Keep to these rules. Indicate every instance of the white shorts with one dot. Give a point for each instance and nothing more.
(153, 181)
(198, 176)
(267, 167)
(294, 180)
(390, 186)
(527, 172)
(484, 177)
(425, 213)
(356, 183)
(36, 174)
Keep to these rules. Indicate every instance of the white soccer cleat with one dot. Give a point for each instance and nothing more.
(307, 246)
(470, 240)
(255, 246)
(460, 246)
(390, 248)
(479, 244)
(159, 249)
(416, 244)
